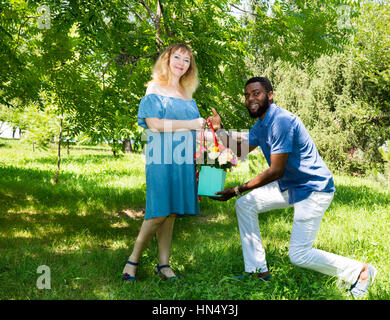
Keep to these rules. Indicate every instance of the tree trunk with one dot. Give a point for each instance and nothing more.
(127, 146)
(388, 171)
(114, 147)
(67, 143)
(157, 24)
(59, 152)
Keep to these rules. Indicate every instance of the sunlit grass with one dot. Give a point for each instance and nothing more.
(84, 228)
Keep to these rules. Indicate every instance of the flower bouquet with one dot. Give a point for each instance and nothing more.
(217, 157)
(212, 165)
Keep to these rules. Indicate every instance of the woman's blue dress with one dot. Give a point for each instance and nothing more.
(171, 185)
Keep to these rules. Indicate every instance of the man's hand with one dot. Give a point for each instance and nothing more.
(215, 120)
(225, 194)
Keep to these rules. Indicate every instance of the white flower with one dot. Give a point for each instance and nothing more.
(213, 155)
(222, 159)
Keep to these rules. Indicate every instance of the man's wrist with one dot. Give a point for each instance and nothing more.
(242, 188)
(237, 191)
(220, 127)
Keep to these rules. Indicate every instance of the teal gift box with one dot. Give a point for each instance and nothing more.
(211, 180)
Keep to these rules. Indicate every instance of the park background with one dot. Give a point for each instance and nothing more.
(72, 185)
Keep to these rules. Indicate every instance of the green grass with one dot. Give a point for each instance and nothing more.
(84, 229)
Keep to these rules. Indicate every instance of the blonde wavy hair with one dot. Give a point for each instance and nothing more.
(161, 72)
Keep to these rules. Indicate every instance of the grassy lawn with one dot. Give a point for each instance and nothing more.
(84, 228)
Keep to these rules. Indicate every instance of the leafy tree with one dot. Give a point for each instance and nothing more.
(343, 98)
(299, 31)
(96, 56)
(41, 127)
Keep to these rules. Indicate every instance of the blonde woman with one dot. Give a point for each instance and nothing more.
(171, 117)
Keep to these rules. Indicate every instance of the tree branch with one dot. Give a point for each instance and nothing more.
(7, 103)
(242, 10)
(157, 24)
(105, 69)
(20, 29)
(138, 16)
(136, 59)
(147, 9)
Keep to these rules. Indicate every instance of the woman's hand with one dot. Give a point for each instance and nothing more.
(198, 124)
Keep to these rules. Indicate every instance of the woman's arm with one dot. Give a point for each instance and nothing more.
(167, 125)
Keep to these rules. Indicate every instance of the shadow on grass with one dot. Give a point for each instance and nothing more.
(5, 146)
(96, 159)
(28, 201)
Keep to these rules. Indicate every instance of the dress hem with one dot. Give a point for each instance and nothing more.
(178, 215)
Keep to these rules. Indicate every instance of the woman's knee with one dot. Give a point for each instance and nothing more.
(158, 220)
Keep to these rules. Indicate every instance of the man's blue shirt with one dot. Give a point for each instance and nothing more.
(282, 132)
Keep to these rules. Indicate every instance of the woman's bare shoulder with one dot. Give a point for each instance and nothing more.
(157, 88)
(154, 87)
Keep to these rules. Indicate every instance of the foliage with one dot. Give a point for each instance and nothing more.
(345, 108)
(300, 31)
(385, 153)
(41, 126)
(97, 56)
(257, 162)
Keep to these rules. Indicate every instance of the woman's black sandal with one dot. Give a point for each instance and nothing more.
(126, 276)
(164, 276)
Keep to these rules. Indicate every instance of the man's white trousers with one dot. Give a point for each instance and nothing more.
(308, 214)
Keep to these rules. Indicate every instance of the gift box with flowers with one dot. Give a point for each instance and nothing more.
(212, 164)
(216, 157)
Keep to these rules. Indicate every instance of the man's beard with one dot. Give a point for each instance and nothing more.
(262, 109)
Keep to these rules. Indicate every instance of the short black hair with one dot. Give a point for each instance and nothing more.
(263, 81)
